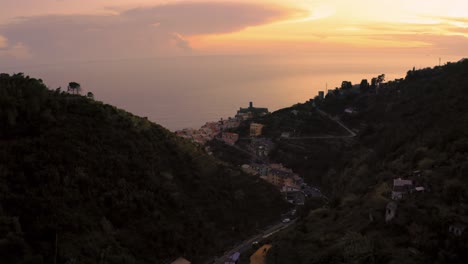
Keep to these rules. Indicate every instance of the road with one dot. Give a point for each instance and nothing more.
(336, 120)
(247, 244)
(351, 133)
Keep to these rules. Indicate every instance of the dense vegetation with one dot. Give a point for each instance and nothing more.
(85, 182)
(420, 124)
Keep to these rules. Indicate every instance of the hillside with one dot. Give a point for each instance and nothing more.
(85, 182)
(414, 128)
(305, 148)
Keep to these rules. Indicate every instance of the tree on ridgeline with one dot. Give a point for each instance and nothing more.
(380, 78)
(376, 81)
(346, 85)
(74, 87)
(90, 95)
(364, 86)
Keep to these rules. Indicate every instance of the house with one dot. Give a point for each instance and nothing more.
(295, 197)
(229, 124)
(229, 138)
(350, 111)
(274, 178)
(181, 260)
(262, 169)
(321, 95)
(400, 188)
(288, 187)
(419, 189)
(279, 166)
(261, 147)
(249, 169)
(262, 151)
(256, 129)
(390, 211)
(281, 176)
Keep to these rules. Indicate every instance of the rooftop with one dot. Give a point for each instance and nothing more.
(400, 182)
(181, 260)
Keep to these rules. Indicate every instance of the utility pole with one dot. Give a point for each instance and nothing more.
(439, 61)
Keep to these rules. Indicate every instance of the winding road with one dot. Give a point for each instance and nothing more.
(247, 244)
(336, 120)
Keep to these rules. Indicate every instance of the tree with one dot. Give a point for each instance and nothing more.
(74, 87)
(376, 81)
(381, 78)
(90, 95)
(364, 86)
(346, 85)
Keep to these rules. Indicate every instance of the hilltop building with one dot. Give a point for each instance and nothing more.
(251, 112)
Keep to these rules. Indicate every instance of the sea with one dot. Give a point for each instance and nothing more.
(186, 92)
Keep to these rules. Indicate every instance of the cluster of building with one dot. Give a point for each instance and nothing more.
(288, 182)
(211, 130)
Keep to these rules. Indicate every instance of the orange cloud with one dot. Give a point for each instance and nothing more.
(150, 31)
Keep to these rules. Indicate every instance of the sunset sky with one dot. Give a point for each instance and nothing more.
(33, 31)
(182, 63)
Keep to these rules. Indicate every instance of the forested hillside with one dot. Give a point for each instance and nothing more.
(414, 128)
(85, 182)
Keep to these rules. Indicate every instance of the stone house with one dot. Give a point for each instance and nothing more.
(400, 188)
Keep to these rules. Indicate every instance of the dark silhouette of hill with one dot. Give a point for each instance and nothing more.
(414, 128)
(85, 182)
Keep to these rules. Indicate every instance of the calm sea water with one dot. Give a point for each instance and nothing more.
(189, 91)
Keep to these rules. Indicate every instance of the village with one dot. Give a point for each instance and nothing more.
(289, 183)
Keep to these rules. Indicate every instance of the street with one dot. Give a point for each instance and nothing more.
(247, 244)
